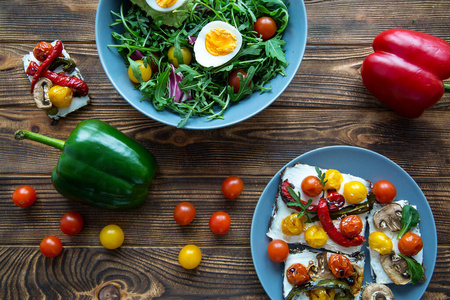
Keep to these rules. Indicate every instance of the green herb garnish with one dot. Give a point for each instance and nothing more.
(415, 269)
(298, 203)
(410, 219)
(321, 176)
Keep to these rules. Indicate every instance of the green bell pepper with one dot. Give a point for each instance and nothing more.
(100, 166)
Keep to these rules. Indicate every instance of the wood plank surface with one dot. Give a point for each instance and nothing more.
(326, 104)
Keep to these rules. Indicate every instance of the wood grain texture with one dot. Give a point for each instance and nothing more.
(326, 104)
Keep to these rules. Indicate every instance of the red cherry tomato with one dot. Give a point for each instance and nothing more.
(278, 250)
(265, 27)
(24, 196)
(184, 213)
(71, 223)
(312, 186)
(220, 222)
(51, 246)
(384, 191)
(410, 244)
(351, 226)
(340, 265)
(297, 274)
(235, 81)
(232, 187)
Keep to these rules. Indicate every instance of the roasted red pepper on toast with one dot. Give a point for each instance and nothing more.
(407, 70)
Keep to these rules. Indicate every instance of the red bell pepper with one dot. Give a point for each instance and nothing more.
(407, 70)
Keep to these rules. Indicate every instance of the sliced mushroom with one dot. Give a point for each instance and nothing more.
(320, 270)
(40, 93)
(377, 291)
(396, 268)
(390, 216)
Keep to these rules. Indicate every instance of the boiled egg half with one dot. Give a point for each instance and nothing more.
(217, 43)
(165, 5)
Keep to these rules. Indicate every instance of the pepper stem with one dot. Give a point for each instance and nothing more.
(25, 134)
(447, 87)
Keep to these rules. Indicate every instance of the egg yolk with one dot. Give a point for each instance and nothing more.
(333, 179)
(380, 242)
(219, 42)
(354, 192)
(165, 3)
(292, 224)
(316, 236)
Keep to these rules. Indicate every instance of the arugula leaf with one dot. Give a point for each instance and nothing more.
(273, 49)
(410, 219)
(298, 203)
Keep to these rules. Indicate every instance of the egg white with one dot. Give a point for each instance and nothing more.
(156, 7)
(378, 272)
(206, 59)
(304, 257)
(295, 175)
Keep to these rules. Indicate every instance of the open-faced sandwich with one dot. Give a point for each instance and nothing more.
(56, 83)
(313, 274)
(395, 243)
(321, 208)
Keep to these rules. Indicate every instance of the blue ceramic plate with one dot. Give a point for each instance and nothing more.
(113, 64)
(359, 162)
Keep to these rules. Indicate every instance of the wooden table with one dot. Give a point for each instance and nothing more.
(326, 104)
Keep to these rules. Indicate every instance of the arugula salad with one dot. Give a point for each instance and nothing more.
(203, 56)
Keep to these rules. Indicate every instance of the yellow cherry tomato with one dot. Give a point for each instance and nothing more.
(292, 224)
(146, 72)
(354, 192)
(187, 56)
(316, 236)
(60, 96)
(111, 237)
(190, 257)
(380, 242)
(333, 180)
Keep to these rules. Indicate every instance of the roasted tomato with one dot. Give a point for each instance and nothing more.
(297, 274)
(340, 265)
(351, 226)
(380, 242)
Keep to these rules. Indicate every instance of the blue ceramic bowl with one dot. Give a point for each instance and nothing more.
(113, 64)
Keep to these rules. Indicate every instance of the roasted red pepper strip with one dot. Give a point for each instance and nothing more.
(77, 84)
(57, 49)
(332, 231)
(407, 69)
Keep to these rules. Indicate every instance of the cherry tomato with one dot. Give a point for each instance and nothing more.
(316, 236)
(190, 257)
(265, 27)
(340, 265)
(187, 56)
(51, 246)
(235, 81)
(384, 191)
(380, 242)
(24, 196)
(292, 224)
(220, 222)
(354, 192)
(42, 50)
(71, 223)
(333, 179)
(146, 72)
(111, 237)
(312, 186)
(184, 213)
(297, 274)
(60, 96)
(351, 226)
(232, 187)
(278, 250)
(410, 244)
